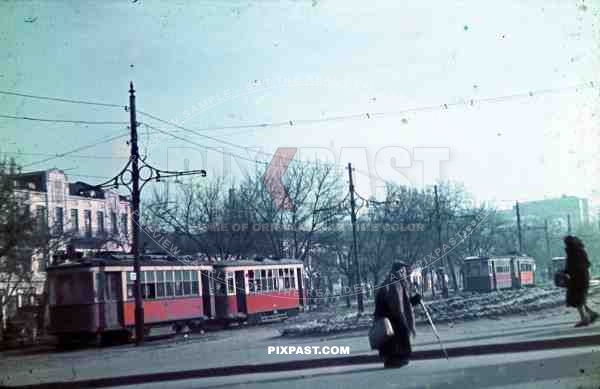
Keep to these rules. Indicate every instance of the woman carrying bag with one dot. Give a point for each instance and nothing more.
(576, 278)
(392, 302)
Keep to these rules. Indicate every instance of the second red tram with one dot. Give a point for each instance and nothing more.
(484, 274)
(94, 297)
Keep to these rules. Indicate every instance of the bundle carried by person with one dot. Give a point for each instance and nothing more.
(561, 279)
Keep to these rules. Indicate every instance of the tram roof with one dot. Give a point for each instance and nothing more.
(254, 262)
(486, 258)
(122, 259)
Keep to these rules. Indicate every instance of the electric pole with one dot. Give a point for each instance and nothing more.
(547, 235)
(353, 219)
(569, 224)
(548, 253)
(519, 229)
(439, 241)
(130, 178)
(135, 199)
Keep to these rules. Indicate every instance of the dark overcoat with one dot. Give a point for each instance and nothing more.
(392, 301)
(577, 267)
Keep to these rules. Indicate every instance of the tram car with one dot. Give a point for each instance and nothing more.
(93, 298)
(485, 274)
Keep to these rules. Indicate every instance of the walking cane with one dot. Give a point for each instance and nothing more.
(434, 329)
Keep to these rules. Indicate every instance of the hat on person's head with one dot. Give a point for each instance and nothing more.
(572, 241)
(398, 265)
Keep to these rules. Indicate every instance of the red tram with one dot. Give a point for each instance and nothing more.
(93, 298)
(485, 274)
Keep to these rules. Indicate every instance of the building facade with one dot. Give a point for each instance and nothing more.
(565, 209)
(75, 214)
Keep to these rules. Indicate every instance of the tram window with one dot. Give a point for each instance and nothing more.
(178, 283)
(169, 284)
(292, 279)
(230, 286)
(275, 281)
(251, 281)
(264, 285)
(286, 278)
(187, 283)
(270, 280)
(100, 286)
(195, 286)
(148, 285)
(259, 282)
(130, 277)
(160, 284)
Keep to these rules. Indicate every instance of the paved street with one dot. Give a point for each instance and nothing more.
(249, 345)
(578, 368)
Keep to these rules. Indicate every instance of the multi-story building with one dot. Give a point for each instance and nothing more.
(75, 214)
(566, 209)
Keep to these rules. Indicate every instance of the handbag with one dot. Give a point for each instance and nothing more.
(561, 279)
(381, 331)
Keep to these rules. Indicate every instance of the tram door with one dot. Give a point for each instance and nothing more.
(108, 289)
(515, 273)
(240, 291)
(494, 279)
(300, 287)
(207, 295)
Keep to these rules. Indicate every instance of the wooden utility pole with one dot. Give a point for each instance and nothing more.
(547, 236)
(439, 242)
(353, 219)
(519, 229)
(548, 251)
(135, 199)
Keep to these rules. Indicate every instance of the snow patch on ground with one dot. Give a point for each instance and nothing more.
(466, 306)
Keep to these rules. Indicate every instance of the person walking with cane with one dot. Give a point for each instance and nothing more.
(392, 302)
(578, 280)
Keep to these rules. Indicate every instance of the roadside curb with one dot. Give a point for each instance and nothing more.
(362, 359)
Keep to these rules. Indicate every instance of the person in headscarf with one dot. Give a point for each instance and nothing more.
(392, 301)
(577, 268)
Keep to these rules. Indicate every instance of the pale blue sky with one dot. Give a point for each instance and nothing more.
(408, 53)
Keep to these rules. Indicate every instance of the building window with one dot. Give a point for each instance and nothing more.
(87, 220)
(75, 219)
(100, 221)
(124, 224)
(58, 223)
(113, 223)
(41, 216)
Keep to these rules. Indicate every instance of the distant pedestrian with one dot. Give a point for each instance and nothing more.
(577, 269)
(392, 301)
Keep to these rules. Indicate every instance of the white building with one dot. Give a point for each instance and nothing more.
(75, 213)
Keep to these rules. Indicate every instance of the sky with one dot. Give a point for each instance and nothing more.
(214, 64)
